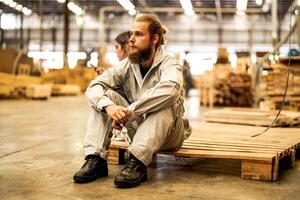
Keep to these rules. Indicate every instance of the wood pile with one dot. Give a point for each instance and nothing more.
(273, 83)
(254, 117)
(80, 76)
(15, 86)
(224, 87)
(234, 90)
(65, 89)
(38, 91)
(21, 86)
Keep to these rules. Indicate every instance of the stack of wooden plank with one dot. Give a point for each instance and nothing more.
(234, 90)
(65, 89)
(80, 76)
(223, 87)
(254, 117)
(15, 86)
(273, 84)
(38, 91)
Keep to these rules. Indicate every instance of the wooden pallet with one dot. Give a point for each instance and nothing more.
(259, 156)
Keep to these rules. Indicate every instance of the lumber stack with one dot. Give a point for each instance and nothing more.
(233, 90)
(38, 91)
(254, 117)
(16, 86)
(273, 83)
(223, 87)
(65, 89)
(80, 76)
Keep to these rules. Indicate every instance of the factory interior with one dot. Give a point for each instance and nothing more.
(239, 85)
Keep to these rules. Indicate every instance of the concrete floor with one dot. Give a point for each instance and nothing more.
(41, 148)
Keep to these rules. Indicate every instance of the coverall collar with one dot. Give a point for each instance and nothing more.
(158, 58)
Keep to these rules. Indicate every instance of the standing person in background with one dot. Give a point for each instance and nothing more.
(187, 77)
(121, 47)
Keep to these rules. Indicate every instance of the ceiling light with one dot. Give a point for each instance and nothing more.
(187, 7)
(61, 1)
(266, 6)
(7, 2)
(132, 12)
(75, 8)
(127, 5)
(12, 4)
(26, 11)
(16, 6)
(258, 2)
(19, 7)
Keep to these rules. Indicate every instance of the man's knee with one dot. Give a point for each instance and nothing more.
(117, 98)
(162, 116)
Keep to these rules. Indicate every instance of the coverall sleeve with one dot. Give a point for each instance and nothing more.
(164, 94)
(96, 91)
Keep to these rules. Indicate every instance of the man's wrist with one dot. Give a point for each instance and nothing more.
(104, 108)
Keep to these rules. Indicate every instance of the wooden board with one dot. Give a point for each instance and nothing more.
(255, 117)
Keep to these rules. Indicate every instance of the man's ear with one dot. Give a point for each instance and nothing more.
(155, 39)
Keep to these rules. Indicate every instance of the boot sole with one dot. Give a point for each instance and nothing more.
(87, 179)
(130, 184)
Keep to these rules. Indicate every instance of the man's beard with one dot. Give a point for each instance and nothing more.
(140, 55)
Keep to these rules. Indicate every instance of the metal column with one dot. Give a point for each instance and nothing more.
(297, 17)
(41, 24)
(21, 31)
(66, 33)
(274, 22)
(1, 32)
(80, 39)
(219, 17)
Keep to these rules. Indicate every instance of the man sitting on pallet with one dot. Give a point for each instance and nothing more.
(143, 93)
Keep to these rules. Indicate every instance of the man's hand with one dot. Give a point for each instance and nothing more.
(119, 114)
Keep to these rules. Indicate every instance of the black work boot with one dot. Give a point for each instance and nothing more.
(133, 174)
(93, 168)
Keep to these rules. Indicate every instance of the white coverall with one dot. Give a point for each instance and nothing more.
(155, 100)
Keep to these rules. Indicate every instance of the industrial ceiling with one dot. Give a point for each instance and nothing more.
(52, 7)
